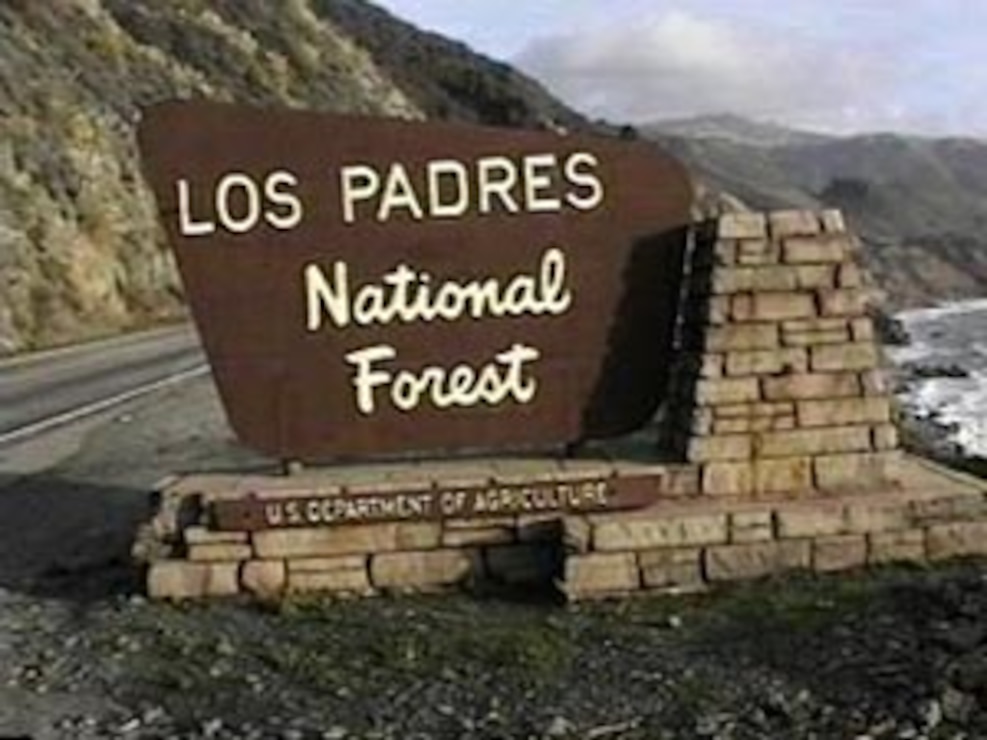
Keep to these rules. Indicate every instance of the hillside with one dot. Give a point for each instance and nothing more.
(920, 204)
(80, 250)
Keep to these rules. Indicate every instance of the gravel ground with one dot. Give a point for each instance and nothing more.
(889, 654)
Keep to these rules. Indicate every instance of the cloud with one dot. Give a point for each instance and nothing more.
(679, 64)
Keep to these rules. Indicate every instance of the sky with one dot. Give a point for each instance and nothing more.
(840, 66)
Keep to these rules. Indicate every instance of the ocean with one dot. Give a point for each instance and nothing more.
(946, 341)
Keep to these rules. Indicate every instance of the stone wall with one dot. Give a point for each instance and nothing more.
(780, 389)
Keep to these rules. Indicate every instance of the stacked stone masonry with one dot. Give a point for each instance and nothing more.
(781, 388)
(690, 545)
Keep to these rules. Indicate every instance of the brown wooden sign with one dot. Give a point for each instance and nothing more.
(367, 286)
(258, 511)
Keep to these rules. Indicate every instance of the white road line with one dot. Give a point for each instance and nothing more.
(66, 417)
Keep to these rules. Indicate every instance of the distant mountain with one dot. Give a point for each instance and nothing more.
(920, 204)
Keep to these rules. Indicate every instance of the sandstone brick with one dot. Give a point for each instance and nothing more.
(326, 565)
(345, 540)
(639, 532)
(742, 225)
(720, 448)
(842, 552)
(702, 421)
(742, 337)
(815, 338)
(742, 307)
(820, 441)
(265, 579)
(815, 325)
(956, 539)
(885, 437)
(850, 276)
(948, 507)
(711, 366)
(178, 580)
(783, 306)
(849, 302)
(793, 223)
(874, 383)
(755, 560)
(756, 252)
(728, 479)
(843, 357)
(601, 574)
(672, 569)
(751, 526)
(477, 536)
(856, 471)
(219, 552)
(810, 519)
(809, 386)
(755, 410)
(774, 278)
(198, 535)
(897, 547)
(731, 280)
(352, 581)
(736, 426)
(878, 516)
(682, 480)
(717, 310)
(767, 362)
(786, 475)
(815, 249)
(844, 411)
(725, 252)
(422, 569)
(832, 221)
(520, 564)
(727, 391)
(781, 424)
(811, 277)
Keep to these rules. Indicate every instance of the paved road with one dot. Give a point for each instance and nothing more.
(40, 390)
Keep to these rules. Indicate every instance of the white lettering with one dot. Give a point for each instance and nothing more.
(441, 170)
(224, 194)
(537, 180)
(186, 223)
(399, 193)
(575, 174)
(358, 183)
(496, 176)
(275, 190)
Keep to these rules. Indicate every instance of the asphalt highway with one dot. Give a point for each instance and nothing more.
(41, 391)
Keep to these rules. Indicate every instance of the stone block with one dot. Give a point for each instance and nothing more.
(767, 362)
(844, 411)
(843, 357)
(874, 383)
(905, 546)
(801, 442)
(683, 480)
(352, 581)
(782, 306)
(887, 515)
(600, 575)
(810, 386)
(521, 564)
(751, 526)
(711, 366)
(728, 479)
(755, 410)
(813, 277)
(757, 252)
(742, 337)
(956, 539)
(737, 426)
(815, 338)
(742, 225)
(727, 391)
(856, 471)
(702, 422)
(774, 278)
(677, 569)
(785, 475)
(276, 544)
(842, 552)
(948, 507)
(265, 579)
(423, 569)
(577, 533)
(804, 326)
(810, 519)
(199, 535)
(755, 560)
(326, 565)
(816, 249)
(731, 280)
(793, 223)
(654, 530)
(885, 437)
(219, 553)
(832, 221)
(720, 448)
(843, 302)
(478, 535)
(850, 276)
(725, 252)
(179, 580)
